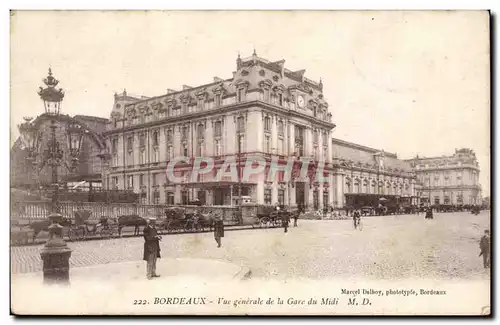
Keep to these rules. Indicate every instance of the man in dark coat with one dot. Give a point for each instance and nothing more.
(484, 246)
(356, 216)
(218, 230)
(285, 219)
(295, 217)
(151, 248)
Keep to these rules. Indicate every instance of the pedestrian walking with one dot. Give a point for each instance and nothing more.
(356, 216)
(295, 218)
(285, 219)
(218, 230)
(484, 246)
(151, 248)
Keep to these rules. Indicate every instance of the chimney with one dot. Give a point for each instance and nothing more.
(217, 79)
(186, 87)
(169, 91)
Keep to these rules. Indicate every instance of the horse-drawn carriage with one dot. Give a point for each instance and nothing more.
(178, 220)
(82, 227)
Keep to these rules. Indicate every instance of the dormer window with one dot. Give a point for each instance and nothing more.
(218, 100)
(240, 95)
(201, 103)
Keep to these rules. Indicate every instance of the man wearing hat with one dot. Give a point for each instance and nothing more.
(218, 229)
(151, 248)
(484, 245)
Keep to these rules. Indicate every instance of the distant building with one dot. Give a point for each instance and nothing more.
(88, 172)
(449, 180)
(365, 175)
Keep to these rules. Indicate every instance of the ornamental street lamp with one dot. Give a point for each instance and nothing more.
(56, 253)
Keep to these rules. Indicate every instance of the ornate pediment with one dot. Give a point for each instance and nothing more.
(267, 84)
(202, 93)
(219, 89)
(279, 88)
(131, 112)
(242, 83)
(185, 97)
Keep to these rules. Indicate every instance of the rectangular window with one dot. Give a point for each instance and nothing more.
(315, 138)
(185, 197)
(325, 199)
(217, 148)
(200, 131)
(240, 97)
(114, 146)
(199, 148)
(281, 128)
(281, 197)
(130, 143)
(267, 124)
(218, 100)
(141, 180)
(267, 144)
(155, 179)
(130, 182)
(142, 140)
(114, 181)
(185, 151)
(156, 155)
(170, 198)
(170, 152)
(446, 199)
(185, 133)
(156, 197)
(436, 200)
(218, 129)
(142, 156)
(170, 137)
(115, 160)
(325, 153)
(266, 95)
(267, 196)
(241, 124)
(201, 103)
(280, 146)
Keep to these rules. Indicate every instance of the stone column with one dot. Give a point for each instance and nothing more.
(260, 192)
(274, 192)
(209, 139)
(291, 138)
(330, 153)
(274, 134)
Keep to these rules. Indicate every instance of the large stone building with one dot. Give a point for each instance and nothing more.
(368, 175)
(264, 111)
(449, 180)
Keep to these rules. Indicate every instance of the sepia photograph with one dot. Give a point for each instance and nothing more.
(286, 162)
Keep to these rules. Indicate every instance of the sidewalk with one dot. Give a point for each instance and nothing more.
(168, 268)
(118, 288)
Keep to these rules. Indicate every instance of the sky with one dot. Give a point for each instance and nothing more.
(408, 82)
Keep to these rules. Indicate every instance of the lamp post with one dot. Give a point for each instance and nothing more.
(56, 253)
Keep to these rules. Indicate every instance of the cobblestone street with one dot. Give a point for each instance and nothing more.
(391, 247)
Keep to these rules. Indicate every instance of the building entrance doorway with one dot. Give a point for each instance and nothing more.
(300, 194)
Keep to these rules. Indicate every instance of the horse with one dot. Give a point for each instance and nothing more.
(131, 221)
(38, 226)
